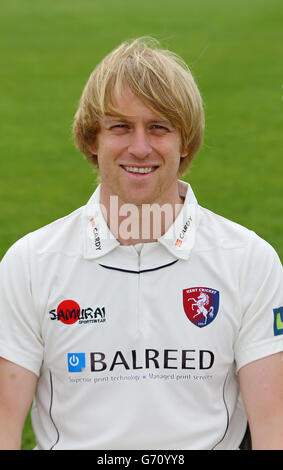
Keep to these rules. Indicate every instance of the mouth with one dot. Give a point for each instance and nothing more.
(139, 171)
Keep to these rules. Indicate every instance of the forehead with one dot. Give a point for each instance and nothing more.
(127, 105)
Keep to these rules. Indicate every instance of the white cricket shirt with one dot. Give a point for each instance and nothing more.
(140, 351)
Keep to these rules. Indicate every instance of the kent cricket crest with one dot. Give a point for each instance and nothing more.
(201, 305)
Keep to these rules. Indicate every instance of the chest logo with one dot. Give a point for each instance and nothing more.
(69, 312)
(201, 305)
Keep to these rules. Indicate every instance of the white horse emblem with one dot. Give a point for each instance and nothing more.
(200, 303)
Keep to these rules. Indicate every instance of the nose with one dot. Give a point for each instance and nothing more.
(139, 144)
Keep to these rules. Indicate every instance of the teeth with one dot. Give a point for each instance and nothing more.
(134, 169)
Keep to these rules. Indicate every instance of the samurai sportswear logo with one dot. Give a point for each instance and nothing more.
(70, 312)
(201, 305)
(278, 321)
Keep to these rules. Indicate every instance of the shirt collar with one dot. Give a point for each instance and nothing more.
(178, 240)
(180, 237)
(98, 239)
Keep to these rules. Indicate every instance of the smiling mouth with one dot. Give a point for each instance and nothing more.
(136, 170)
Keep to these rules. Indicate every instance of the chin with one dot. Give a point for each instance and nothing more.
(138, 199)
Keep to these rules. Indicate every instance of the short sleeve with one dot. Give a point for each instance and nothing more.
(261, 299)
(20, 331)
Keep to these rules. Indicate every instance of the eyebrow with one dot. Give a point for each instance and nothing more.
(109, 117)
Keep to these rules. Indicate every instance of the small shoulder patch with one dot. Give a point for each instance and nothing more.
(278, 321)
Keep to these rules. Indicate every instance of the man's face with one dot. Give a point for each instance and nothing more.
(138, 156)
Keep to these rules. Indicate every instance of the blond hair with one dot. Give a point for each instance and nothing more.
(159, 78)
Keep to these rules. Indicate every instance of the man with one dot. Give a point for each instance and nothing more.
(136, 321)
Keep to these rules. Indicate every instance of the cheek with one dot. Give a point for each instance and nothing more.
(112, 147)
(103, 154)
(169, 147)
(173, 156)
(103, 160)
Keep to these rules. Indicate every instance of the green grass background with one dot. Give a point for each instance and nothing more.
(48, 49)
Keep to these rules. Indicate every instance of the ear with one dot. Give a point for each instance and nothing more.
(92, 149)
(185, 152)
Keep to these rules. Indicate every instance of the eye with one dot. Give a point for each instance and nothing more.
(159, 128)
(119, 126)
